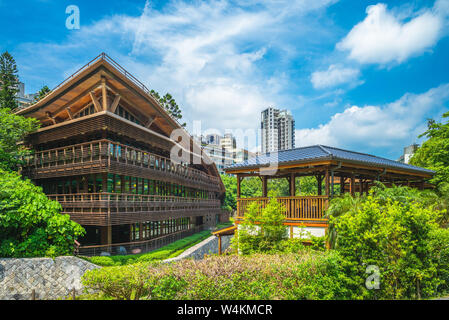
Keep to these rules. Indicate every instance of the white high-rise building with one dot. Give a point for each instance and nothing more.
(278, 130)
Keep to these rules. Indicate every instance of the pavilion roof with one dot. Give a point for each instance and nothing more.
(318, 153)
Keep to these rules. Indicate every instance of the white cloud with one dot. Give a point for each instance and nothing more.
(392, 125)
(383, 37)
(205, 53)
(333, 76)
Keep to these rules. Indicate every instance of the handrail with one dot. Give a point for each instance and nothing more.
(296, 207)
(106, 196)
(95, 146)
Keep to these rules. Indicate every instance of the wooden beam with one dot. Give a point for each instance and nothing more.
(50, 116)
(69, 112)
(150, 122)
(95, 101)
(104, 93)
(115, 103)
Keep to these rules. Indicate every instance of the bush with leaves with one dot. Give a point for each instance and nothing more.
(262, 229)
(304, 275)
(13, 129)
(393, 229)
(31, 225)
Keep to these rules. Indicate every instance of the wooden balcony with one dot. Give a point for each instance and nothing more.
(115, 208)
(107, 156)
(306, 209)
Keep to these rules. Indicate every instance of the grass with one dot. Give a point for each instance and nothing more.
(169, 251)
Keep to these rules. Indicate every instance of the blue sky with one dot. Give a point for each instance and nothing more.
(362, 75)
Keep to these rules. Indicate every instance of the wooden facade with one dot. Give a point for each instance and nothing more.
(336, 172)
(104, 153)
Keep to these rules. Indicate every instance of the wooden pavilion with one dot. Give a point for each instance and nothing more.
(104, 152)
(336, 171)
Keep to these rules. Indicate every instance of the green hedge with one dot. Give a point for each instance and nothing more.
(169, 251)
(307, 275)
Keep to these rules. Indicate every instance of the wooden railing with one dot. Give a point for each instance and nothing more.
(123, 197)
(296, 208)
(109, 151)
(143, 246)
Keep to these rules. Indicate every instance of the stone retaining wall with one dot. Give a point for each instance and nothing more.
(208, 246)
(50, 278)
(56, 278)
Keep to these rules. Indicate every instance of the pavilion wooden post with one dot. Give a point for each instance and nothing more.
(319, 182)
(327, 187)
(292, 185)
(342, 184)
(352, 185)
(264, 186)
(238, 195)
(219, 244)
(326, 182)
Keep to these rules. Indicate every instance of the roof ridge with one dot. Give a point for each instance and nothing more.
(325, 150)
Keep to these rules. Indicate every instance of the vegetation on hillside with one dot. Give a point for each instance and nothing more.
(31, 225)
(434, 153)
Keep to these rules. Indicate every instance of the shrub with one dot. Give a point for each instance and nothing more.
(169, 251)
(31, 225)
(307, 275)
(261, 232)
(395, 231)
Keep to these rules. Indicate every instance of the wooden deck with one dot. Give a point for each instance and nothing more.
(297, 208)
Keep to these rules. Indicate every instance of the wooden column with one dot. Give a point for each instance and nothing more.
(219, 244)
(319, 182)
(104, 95)
(342, 185)
(238, 195)
(352, 185)
(264, 186)
(327, 182)
(292, 185)
(238, 186)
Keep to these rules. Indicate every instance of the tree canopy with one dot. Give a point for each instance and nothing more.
(31, 225)
(42, 93)
(434, 153)
(170, 105)
(9, 81)
(13, 129)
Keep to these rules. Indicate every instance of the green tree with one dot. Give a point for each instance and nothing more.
(170, 105)
(31, 225)
(9, 81)
(230, 199)
(262, 230)
(434, 152)
(13, 129)
(392, 229)
(42, 93)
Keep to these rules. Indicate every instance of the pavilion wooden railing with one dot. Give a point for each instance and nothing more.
(296, 208)
(106, 151)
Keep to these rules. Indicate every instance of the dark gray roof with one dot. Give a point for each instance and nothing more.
(320, 152)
